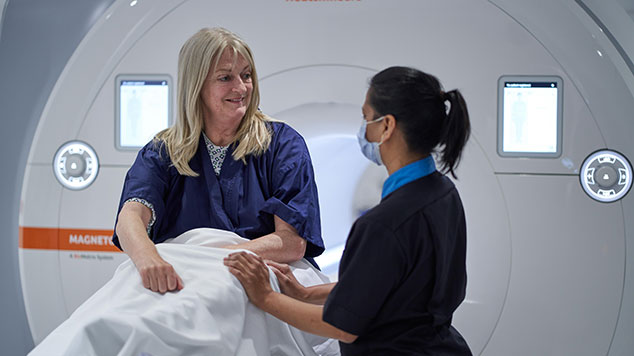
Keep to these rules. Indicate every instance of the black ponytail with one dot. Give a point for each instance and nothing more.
(456, 133)
(417, 102)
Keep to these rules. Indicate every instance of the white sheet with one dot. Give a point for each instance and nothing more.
(210, 316)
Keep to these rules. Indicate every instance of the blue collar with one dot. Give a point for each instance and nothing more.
(407, 174)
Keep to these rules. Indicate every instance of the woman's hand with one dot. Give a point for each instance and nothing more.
(158, 275)
(288, 283)
(252, 272)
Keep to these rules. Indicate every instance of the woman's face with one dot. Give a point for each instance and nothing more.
(226, 92)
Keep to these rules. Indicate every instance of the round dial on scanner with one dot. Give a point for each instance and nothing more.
(606, 176)
(76, 165)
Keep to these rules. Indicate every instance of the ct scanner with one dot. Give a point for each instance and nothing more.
(549, 235)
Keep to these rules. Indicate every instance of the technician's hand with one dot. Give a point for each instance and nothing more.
(252, 272)
(158, 275)
(288, 283)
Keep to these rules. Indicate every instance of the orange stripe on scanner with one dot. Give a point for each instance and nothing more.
(43, 238)
(38, 237)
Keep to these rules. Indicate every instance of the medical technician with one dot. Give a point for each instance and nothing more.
(402, 274)
(224, 164)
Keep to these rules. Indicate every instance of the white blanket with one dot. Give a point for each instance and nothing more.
(210, 316)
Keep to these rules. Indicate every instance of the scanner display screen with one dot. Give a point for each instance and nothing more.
(530, 118)
(143, 110)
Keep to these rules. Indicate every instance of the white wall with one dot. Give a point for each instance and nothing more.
(628, 5)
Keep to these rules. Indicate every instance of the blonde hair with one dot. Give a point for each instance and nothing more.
(194, 63)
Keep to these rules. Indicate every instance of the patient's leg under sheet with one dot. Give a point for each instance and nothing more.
(210, 316)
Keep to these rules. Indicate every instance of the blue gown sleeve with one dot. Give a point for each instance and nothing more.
(147, 179)
(294, 192)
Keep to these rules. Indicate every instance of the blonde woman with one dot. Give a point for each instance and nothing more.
(224, 165)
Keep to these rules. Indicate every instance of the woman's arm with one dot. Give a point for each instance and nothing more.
(304, 316)
(156, 274)
(290, 286)
(283, 245)
(251, 271)
(319, 293)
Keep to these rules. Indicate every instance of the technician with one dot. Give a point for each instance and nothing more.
(224, 164)
(402, 274)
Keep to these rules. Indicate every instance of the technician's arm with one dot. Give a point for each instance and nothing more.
(156, 273)
(289, 285)
(283, 245)
(254, 276)
(304, 316)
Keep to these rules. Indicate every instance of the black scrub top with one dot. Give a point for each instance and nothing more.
(403, 274)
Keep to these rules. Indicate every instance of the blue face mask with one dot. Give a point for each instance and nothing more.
(370, 149)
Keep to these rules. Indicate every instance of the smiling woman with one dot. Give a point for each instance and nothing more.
(226, 94)
(182, 179)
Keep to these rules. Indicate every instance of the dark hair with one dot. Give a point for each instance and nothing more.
(417, 102)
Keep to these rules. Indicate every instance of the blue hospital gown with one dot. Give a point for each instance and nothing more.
(243, 198)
